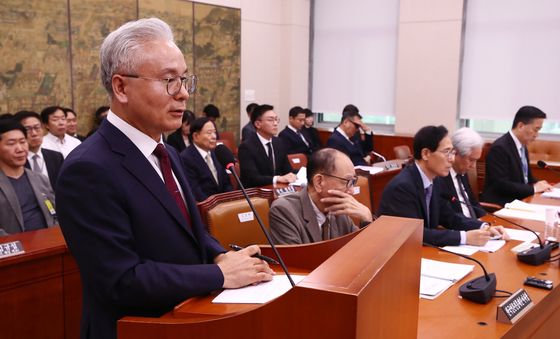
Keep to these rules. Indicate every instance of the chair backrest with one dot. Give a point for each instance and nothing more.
(297, 160)
(362, 191)
(233, 222)
(228, 139)
(402, 152)
(229, 144)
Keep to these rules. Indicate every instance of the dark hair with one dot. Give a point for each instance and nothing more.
(48, 111)
(294, 111)
(428, 137)
(6, 116)
(67, 110)
(187, 116)
(249, 109)
(350, 111)
(307, 112)
(321, 161)
(197, 125)
(211, 111)
(7, 125)
(259, 111)
(22, 115)
(527, 114)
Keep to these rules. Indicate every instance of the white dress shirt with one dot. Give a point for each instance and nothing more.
(64, 146)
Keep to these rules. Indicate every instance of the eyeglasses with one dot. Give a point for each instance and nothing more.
(349, 182)
(36, 128)
(173, 84)
(450, 153)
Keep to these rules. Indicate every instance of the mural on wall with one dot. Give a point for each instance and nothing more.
(44, 62)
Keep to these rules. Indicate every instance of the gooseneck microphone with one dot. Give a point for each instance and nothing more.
(545, 166)
(481, 289)
(226, 158)
(533, 256)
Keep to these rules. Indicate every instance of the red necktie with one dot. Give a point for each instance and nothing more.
(165, 165)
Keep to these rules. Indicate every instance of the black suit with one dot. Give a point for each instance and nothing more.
(357, 149)
(448, 188)
(176, 140)
(404, 197)
(293, 142)
(200, 177)
(53, 162)
(504, 173)
(312, 134)
(256, 169)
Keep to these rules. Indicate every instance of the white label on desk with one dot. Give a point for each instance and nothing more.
(295, 160)
(9, 249)
(247, 216)
(356, 190)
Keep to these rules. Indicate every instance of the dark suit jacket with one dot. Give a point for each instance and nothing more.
(448, 188)
(356, 150)
(312, 134)
(134, 249)
(175, 139)
(53, 161)
(404, 197)
(293, 142)
(255, 167)
(504, 174)
(200, 177)
(248, 131)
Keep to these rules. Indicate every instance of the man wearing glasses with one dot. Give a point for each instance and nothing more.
(416, 193)
(352, 137)
(128, 215)
(323, 209)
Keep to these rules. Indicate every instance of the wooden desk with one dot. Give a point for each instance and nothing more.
(40, 291)
(449, 316)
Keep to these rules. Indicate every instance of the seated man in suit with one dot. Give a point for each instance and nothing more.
(323, 209)
(310, 132)
(292, 136)
(125, 208)
(262, 158)
(508, 174)
(54, 120)
(204, 172)
(468, 145)
(39, 159)
(26, 197)
(352, 137)
(249, 129)
(416, 193)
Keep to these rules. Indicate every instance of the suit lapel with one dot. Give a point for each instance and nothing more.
(40, 196)
(515, 151)
(311, 225)
(8, 189)
(417, 180)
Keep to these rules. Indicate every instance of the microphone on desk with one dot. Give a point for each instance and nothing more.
(379, 156)
(533, 256)
(545, 166)
(226, 158)
(481, 289)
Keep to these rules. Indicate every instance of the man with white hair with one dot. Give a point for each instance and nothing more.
(468, 145)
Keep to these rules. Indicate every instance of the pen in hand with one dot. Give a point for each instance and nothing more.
(262, 257)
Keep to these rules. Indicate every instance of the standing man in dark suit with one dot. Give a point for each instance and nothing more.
(249, 129)
(205, 174)
(416, 193)
(468, 145)
(26, 197)
(127, 212)
(40, 160)
(262, 158)
(508, 174)
(352, 137)
(292, 136)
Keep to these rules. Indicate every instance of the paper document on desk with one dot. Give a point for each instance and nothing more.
(522, 210)
(301, 177)
(447, 274)
(370, 169)
(520, 235)
(490, 247)
(258, 294)
(553, 193)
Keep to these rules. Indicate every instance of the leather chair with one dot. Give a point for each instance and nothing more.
(402, 152)
(297, 160)
(228, 139)
(362, 191)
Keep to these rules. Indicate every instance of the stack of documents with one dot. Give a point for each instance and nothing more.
(371, 169)
(438, 276)
(522, 210)
(260, 293)
(554, 194)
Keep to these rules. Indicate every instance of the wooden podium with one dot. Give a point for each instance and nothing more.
(363, 285)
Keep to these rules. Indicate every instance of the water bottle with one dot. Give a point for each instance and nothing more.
(551, 225)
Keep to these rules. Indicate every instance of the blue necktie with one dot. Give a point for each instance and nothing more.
(524, 164)
(428, 193)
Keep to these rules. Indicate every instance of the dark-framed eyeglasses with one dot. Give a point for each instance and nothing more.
(449, 153)
(173, 84)
(349, 182)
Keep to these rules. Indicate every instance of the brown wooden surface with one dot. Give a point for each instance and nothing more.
(40, 293)
(449, 316)
(366, 289)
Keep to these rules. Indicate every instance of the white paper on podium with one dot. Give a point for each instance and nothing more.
(258, 294)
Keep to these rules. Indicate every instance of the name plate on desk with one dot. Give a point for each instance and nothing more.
(514, 307)
(9, 249)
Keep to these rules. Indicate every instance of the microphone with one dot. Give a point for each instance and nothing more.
(545, 166)
(533, 256)
(226, 158)
(379, 156)
(481, 289)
